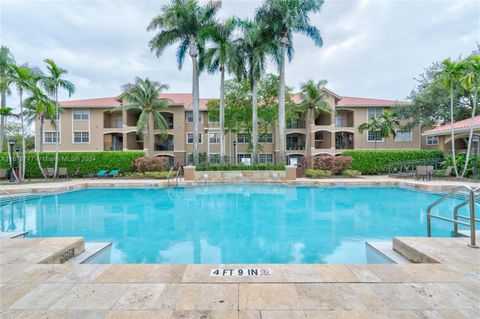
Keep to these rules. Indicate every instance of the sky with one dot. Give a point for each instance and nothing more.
(371, 48)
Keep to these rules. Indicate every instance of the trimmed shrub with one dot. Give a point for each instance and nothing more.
(150, 164)
(229, 167)
(376, 162)
(84, 162)
(156, 175)
(351, 172)
(460, 160)
(334, 164)
(316, 173)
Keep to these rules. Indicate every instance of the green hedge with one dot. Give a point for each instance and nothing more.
(376, 162)
(87, 162)
(227, 167)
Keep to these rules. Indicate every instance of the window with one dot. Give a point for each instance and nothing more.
(403, 136)
(190, 138)
(265, 158)
(214, 138)
(432, 140)
(266, 138)
(214, 158)
(242, 138)
(81, 137)
(372, 137)
(51, 137)
(81, 115)
(375, 112)
(189, 115)
(244, 159)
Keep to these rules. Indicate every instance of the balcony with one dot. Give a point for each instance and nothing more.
(323, 119)
(296, 124)
(168, 118)
(295, 142)
(344, 141)
(323, 140)
(164, 144)
(112, 120)
(344, 118)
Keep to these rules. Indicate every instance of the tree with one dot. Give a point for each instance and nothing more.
(181, 22)
(470, 81)
(280, 19)
(313, 103)
(143, 96)
(53, 82)
(449, 78)
(21, 78)
(6, 112)
(220, 57)
(6, 59)
(383, 126)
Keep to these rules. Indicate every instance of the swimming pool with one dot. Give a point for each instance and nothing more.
(241, 223)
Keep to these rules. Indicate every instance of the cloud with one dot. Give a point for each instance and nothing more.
(371, 48)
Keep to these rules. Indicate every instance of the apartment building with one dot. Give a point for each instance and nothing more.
(99, 125)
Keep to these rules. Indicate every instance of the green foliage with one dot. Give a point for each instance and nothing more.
(86, 162)
(376, 162)
(156, 175)
(460, 159)
(351, 172)
(13, 131)
(228, 167)
(316, 173)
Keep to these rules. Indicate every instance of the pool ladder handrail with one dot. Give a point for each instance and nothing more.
(476, 195)
(169, 175)
(177, 175)
(470, 201)
(6, 193)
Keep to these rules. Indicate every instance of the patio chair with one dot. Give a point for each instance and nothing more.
(3, 173)
(421, 172)
(62, 171)
(430, 173)
(100, 173)
(445, 173)
(50, 171)
(113, 173)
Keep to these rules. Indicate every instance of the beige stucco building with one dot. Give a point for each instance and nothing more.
(97, 125)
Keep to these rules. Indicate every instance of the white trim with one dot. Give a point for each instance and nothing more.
(73, 137)
(273, 139)
(199, 134)
(213, 143)
(199, 115)
(236, 138)
(51, 143)
(402, 132)
(81, 120)
(273, 158)
(434, 144)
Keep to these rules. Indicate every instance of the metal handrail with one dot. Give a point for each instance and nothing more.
(168, 176)
(5, 192)
(178, 173)
(462, 204)
(471, 202)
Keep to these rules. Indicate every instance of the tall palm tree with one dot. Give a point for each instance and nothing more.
(251, 60)
(282, 18)
(53, 82)
(6, 112)
(313, 103)
(471, 83)
(21, 78)
(220, 57)
(38, 104)
(449, 76)
(181, 22)
(143, 96)
(6, 59)
(383, 126)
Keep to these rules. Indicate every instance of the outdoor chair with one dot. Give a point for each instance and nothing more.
(113, 173)
(421, 172)
(50, 171)
(62, 171)
(100, 173)
(430, 172)
(3, 173)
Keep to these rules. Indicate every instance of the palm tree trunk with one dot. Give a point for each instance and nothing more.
(22, 164)
(308, 149)
(254, 122)
(40, 145)
(454, 160)
(281, 106)
(195, 98)
(150, 135)
(470, 136)
(222, 114)
(57, 133)
(2, 119)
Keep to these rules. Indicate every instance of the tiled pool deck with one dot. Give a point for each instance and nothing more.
(34, 285)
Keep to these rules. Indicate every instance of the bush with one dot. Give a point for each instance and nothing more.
(85, 162)
(156, 175)
(316, 173)
(460, 159)
(351, 172)
(229, 167)
(376, 162)
(334, 164)
(150, 164)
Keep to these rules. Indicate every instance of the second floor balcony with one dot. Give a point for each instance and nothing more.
(295, 142)
(164, 143)
(112, 120)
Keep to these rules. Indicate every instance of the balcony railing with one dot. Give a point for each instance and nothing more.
(164, 147)
(296, 124)
(295, 147)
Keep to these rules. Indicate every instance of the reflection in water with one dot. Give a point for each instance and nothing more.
(229, 223)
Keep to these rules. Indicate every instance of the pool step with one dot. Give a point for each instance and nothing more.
(91, 250)
(385, 248)
(13, 234)
(7, 200)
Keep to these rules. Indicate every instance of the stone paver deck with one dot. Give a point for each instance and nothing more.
(34, 285)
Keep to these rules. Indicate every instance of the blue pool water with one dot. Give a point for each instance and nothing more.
(231, 223)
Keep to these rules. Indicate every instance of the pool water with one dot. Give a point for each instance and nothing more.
(240, 223)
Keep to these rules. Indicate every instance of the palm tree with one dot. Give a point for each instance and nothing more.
(313, 103)
(250, 63)
(471, 82)
(220, 57)
(143, 96)
(38, 104)
(449, 77)
(5, 112)
(383, 126)
(181, 22)
(282, 18)
(6, 59)
(52, 82)
(21, 78)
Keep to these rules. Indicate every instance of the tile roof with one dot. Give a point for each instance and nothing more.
(457, 126)
(361, 101)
